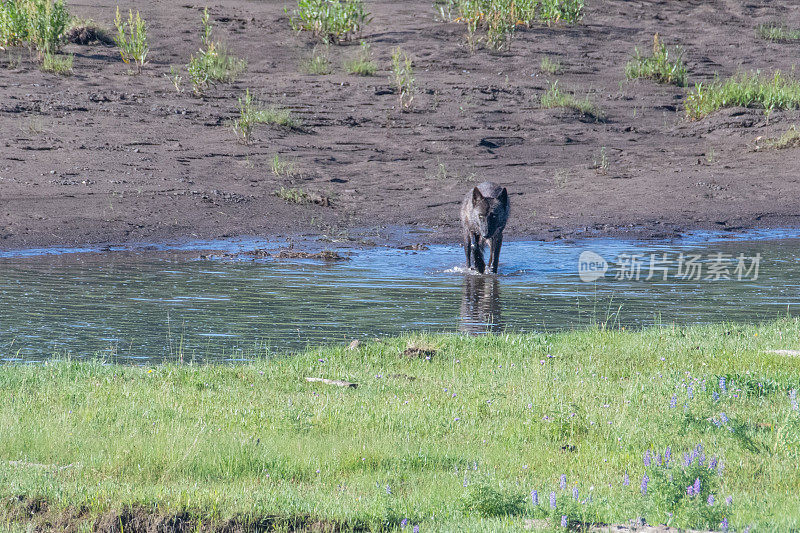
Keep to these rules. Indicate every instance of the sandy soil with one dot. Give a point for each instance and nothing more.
(104, 156)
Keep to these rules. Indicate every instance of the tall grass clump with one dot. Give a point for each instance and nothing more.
(778, 91)
(777, 32)
(40, 23)
(556, 97)
(132, 39)
(362, 64)
(403, 78)
(212, 63)
(332, 21)
(662, 66)
(251, 113)
(57, 64)
(789, 139)
(499, 19)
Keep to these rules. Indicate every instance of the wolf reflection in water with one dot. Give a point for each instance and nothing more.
(480, 305)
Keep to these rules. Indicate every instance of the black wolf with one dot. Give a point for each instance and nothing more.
(484, 213)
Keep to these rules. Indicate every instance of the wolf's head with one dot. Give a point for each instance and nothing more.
(491, 212)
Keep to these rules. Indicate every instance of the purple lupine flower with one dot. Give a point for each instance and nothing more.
(713, 463)
(575, 493)
(729, 500)
(710, 499)
(667, 454)
(647, 458)
(724, 418)
(563, 520)
(687, 459)
(659, 460)
(690, 491)
(722, 384)
(388, 490)
(724, 525)
(673, 401)
(465, 481)
(701, 459)
(534, 497)
(715, 396)
(690, 392)
(563, 482)
(626, 480)
(416, 528)
(716, 422)
(645, 481)
(697, 486)
(793, 399)
(403, 523)
(552, 500)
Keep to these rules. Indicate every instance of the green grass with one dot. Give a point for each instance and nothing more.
(40, 23)
(778, 91)
(662, 66)
(131, 39)
(252, 113)
(318, 63)
(454, 443)
(556, 97)
(294, 195)
(777, 32)
(550, 66)
(362, 64)
(57, 64)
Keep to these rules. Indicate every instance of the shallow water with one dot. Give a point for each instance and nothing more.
(140, 309)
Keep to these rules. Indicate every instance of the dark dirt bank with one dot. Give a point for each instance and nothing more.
(103, 156)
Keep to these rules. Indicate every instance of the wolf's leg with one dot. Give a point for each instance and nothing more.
(494, 253)
(468, 249)
(477, 254)
(491, 253)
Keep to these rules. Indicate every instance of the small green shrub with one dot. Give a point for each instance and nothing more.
(362, 64)
(282, 168)
(746, 90)
(13, 23)
(212, 62)
(57, 64)
(555, 97)
(566, 11)
(294, 195)
(40, 23)
(662, 66)
(777, 32)
(485, 501)
(332, 21)
(132, 39)
(403, 78)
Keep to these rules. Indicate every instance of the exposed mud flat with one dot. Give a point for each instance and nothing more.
(104, 156)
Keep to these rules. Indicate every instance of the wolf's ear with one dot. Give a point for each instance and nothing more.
(476, 195)
(503, 197)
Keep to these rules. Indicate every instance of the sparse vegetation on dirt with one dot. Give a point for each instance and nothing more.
(557, 97)
(498, 19)
(362, 64)
(252, 112)
(57, 64)
(662, 66)
(550, 66)
(451, 433)
(212, 63)
(789, 139)
(777, 32)
(778, 91)
(332, 21)
(318, 63)
(131, 39)
(403, 78)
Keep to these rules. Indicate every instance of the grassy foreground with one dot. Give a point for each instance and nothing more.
(695, 427)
